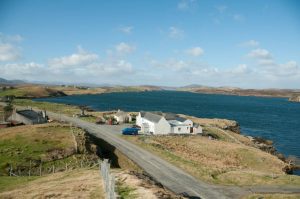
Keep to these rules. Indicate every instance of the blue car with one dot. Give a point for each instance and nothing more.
(130, 131)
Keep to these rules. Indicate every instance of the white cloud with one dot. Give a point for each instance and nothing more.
(260, 54)
(195, 51)
(88, 65)
(185, 5)
(124, 48)
(29, 70)
(250, 43)
(175, 33)
(126, 29)
(241, 69)
(9, 52)
(82, 57)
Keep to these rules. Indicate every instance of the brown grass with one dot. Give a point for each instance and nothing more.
(218, 161)
(77, 91)
(80, 183)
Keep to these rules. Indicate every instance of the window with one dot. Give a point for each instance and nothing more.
(179, 129)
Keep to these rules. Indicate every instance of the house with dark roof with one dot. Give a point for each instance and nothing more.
(164, 123)
(28, 116)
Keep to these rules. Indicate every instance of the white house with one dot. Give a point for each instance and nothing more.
(122, 117)
(159, 123)
(197, 129)
(151, 123)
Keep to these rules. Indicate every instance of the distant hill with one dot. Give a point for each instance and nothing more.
(10, 82)
(239, 91)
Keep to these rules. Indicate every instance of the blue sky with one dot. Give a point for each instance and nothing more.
(249, 44)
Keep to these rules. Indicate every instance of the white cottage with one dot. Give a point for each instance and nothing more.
(122, 117)
(159, 123)
(151, 123)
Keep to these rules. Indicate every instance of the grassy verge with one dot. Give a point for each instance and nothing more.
(125, 192)
(217, 161)
(9, 183)
(79, 183)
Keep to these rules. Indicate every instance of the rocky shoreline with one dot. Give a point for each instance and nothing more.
(295, 98)
(257, 142)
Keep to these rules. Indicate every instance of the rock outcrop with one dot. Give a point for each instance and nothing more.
(295, 98)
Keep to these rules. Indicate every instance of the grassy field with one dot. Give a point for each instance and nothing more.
(34, 143)
(218, 161)
(31, 91)
(54, 107)
(79, 183)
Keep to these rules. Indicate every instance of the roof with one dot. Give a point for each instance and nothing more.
(173, 116)
(176, 123)
(30, 114)
(151, 117)
(196, 125)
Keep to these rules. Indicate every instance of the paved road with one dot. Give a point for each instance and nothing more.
(167, 174)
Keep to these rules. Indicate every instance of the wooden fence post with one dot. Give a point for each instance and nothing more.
(41, 169)
(10, 170)
(29, 172)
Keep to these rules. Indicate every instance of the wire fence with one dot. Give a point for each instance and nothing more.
(108, 179)
(41, 169)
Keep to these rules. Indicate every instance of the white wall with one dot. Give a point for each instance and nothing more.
(139, 120)
(197, 130)
(162, 127)
(181, 129)
(119, 119)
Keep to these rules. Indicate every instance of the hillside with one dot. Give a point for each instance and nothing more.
(79, 183)
(219, 157)
(31, 91)
(242, 92)
(10, 82)
(25, 148)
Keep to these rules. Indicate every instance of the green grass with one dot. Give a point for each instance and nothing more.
(54, 107)
(125, 192)
(20, 145)
(16, 92)
(8, 183)
(89, 118)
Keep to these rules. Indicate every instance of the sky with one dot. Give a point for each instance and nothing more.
(247, 44)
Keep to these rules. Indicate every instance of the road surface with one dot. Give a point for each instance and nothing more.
(165, 173)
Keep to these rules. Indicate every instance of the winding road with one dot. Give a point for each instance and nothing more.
(165, 173)
(168, 175)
